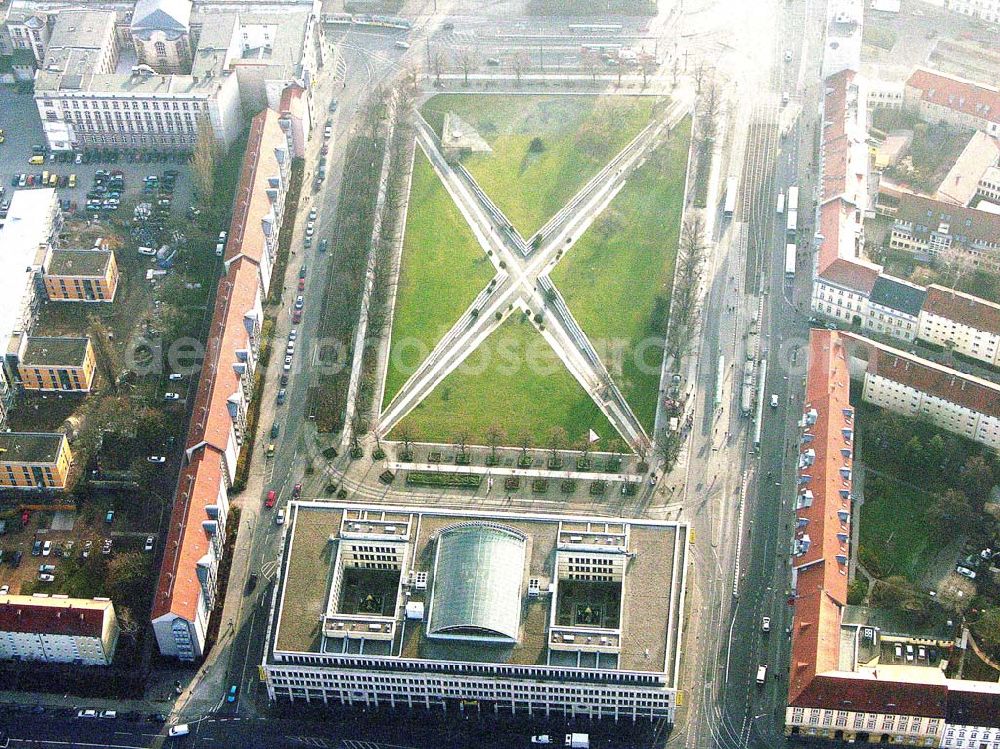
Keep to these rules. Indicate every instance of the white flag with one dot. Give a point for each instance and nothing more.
(593, 436)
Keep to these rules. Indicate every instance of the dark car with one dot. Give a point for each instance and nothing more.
(275, 430)
(36, 548)
(156, 718)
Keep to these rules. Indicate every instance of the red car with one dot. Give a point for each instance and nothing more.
(297, 316)
(297, 490)
(272, 497)
(302, 284)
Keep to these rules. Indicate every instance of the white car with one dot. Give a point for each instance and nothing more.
(171, 396)
(402, 45)
(293, 334)
(179, 730)
(4, 590)
(300, 302)
(765, 624)
(788, 55)
(310, 229)
(46, 577)
(149, 544)
(279, 519)
(175, 376)
(290, 349)
(78, 159)
(156, 459)
(288, 364)
(86, 713)
(46, 548)
(966, 572)
(774, 400)
(312, 214)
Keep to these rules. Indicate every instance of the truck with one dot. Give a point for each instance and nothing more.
(572, 740)
(792, 204)
(791, 223)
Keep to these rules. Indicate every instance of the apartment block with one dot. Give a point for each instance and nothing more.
(80, 275)
(434, 609)
(861, 675)
(259, 209)
(894, 307)
(30, 30)
(178, 65)
(961, 322)
(34, 460)
(58, 629)
(989, 185)
(936, 230)
(939, 97)
(52, 364)
(985, 10)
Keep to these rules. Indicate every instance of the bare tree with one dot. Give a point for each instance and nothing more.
(203, 160)
(462, 441)
(468, 60)
(557, 440)
(677, 65)
(591, 62)
(699, 74)
(494, 436)
(437, 64)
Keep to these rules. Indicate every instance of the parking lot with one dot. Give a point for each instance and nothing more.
(23, 130)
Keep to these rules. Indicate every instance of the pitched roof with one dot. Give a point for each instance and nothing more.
(823, 512)
(969, 706)
(899, 295)
(77, 617)
(858, 693)
(161, 15)
(963, 308)
(178, 587)
(253, 205)
(238, 295)
(928, 377)
(973, 99)
(859, 275)
(960, 184)
(973, 224)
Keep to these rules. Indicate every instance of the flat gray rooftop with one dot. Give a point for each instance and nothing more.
(640, 612)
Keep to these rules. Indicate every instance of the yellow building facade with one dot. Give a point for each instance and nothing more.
(81, 275)
(34, 460)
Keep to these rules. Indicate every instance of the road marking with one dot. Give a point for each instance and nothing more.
(33, 742)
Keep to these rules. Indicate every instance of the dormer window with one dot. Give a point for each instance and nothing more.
(805, 499)
(844, 515)
(845, 473)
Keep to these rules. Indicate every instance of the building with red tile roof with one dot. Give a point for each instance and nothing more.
(295, 118)
(932, 229)
(840, 688)
(259, 206)
(941, 97)
(186, 588)
(961, 322)
(58, 629)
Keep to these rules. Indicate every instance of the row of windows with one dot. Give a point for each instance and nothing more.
(112, 104)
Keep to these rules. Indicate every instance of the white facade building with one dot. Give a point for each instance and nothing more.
(984, 10)
(585, 623)
(58, 629)
(961, 322)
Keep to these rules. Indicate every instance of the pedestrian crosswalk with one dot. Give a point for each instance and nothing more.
(352, 744)
(341, 70)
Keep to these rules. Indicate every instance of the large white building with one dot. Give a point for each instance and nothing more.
(32, 220)
(58, 629)
(961, 322)
(153, 89)
(449, 610)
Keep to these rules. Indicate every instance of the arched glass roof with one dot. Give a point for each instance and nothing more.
(478, 570)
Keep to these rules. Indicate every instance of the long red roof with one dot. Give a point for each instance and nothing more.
(55, 616)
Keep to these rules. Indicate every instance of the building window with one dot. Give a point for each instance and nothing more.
(161, 49)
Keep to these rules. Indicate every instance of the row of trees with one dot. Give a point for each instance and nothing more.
(687, 280)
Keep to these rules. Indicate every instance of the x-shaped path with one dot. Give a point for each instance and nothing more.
(522, 279)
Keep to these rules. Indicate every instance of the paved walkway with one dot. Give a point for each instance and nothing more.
(521, 283)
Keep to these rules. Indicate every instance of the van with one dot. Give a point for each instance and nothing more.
(181, 729)
(761, 674)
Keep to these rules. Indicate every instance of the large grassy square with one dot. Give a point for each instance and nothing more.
(514, 381)
(443, 268)
(576, 136)
(618, 277)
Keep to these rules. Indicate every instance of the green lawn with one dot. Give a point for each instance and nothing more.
(515, 381)
(579, 135)
(618, 277)
(893, 529)
(443, 269)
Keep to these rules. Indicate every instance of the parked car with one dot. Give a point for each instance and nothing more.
(312, 214)
(106, 547)
(281, 397)
(233, 691)
(4, 590)
(86, 549)
(288, 363)
(300, 302)
(46, 578)
(279, 519)
(302, 272)
(46, 568)
(297, 491)
(171, 397)
(156, 459)
(765, 624)
(275, 430)
(323, 245)
(109, 713)
(148, 546)
(297, 316)
(86, 713)
(46, 548)
(272, 497)
(181, 729)
(36, 548)
(966, 572)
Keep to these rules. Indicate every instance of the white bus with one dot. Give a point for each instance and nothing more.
(790, 250)
(792, 222)
(732, 185)
(781, 203)
(793, 198)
